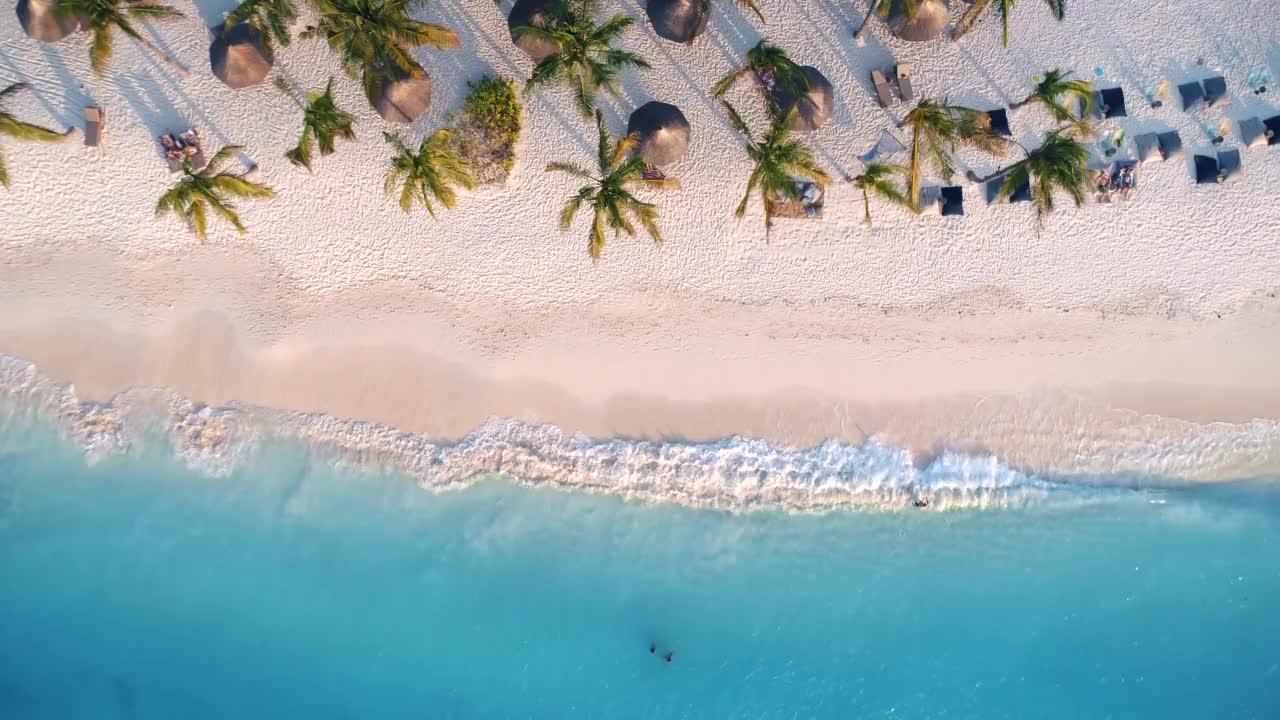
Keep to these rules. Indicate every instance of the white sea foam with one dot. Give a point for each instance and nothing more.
(735, 473)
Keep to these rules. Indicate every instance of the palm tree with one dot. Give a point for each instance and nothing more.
(876, 179)
(586, 58)
(429, 173)
(765, 60)
(100, 17)
(609, 193)
(884, 7)
(269, 17)
(321, 121)
(376, 38)
(1058, 164)
(1003, 8)
(778, 161)
(936, 130)
(200, 191)
(14, 128)
(1055, 90)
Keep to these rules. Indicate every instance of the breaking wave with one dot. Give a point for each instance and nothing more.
(736, 473)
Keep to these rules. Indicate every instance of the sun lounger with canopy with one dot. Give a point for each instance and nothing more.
(1019, 194)
(1109, 103)
(1191, 93)
(1215, 91)
(1170, 144)
(1148, 147)
(1229, 165)
(1272, 125)
(952, 201)
(930, 201)
(1206, 168)
(1252, 132)
(883, 93)
(94, 121)
(905, 89)
(1000, 122)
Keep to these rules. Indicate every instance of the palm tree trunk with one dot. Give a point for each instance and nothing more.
(866, 206)
(914, 184)
(182, 72)
(857, 34)
(993, 176)
(1023, 102)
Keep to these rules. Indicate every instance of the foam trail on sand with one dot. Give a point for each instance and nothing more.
(734, 473)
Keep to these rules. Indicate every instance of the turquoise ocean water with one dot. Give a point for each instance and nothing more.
(137, 588)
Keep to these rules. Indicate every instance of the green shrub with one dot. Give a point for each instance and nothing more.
(492, 109)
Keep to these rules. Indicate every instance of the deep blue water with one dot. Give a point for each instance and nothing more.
(135, 588)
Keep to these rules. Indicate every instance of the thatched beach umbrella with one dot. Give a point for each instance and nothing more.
(402, 97)
(930, 20)
(535, 13)
(813, 108)
(663, 131)
(40, 20)
(679, 20)
(238, 57)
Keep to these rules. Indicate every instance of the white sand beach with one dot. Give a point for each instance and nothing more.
(1066, 345)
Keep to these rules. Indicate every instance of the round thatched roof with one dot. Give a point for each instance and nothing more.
(39, 20)
(535, 13)
(402, 98)
(238, 57)
(663, 131)
(679, 20)
(814, 108)
(930, 20)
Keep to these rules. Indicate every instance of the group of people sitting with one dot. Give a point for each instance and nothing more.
(183, 145)
(1119, 183)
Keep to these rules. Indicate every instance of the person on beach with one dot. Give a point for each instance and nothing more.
(920, 503)
(1103, 186)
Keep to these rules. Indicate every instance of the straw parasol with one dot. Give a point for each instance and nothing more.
(814, 108)
(238, 57)
(663, 132)
(40, 20)
(930, 20)
(401, 97)
(679, 20)
(535, 13)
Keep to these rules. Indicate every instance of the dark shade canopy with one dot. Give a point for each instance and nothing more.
(238, 57)
(814, 108)
(930, 20)
(663, 131)
(535, 13)
(402, 97)
(679, 20)
(39, 20)
(1206, 170)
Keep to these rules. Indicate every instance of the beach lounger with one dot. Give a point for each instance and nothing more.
(1272, 125)
(1021, 194)
(1109, 103)
(883, 92)
(1252, 132)
(1229, 165)
(952, 201)
(1215, 91)
(930, 201)
(1148, 147)
(1000, 122)
(907, 92)
(1206, 170)
(1191, 93)
(94, 121)
(1170, 145)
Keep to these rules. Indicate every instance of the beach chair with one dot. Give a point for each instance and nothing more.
(1191, 93)
(952, 201)
(1170, 145)
(1229, 167)
(883, 93)
(1109, 103)
(1021, 194)
(1215, 91)
(1252, 132)
(94, 121)
(907, 92)
(1148, 147)
(930, 201)
(1272, 132)
(1000, 122)
(1206, 169)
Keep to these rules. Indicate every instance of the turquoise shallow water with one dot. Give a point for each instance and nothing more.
(135, 588)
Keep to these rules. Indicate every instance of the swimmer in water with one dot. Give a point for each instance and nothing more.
(652, 648)
(668, 656)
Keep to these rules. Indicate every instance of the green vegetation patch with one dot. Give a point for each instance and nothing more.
(486, 131)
